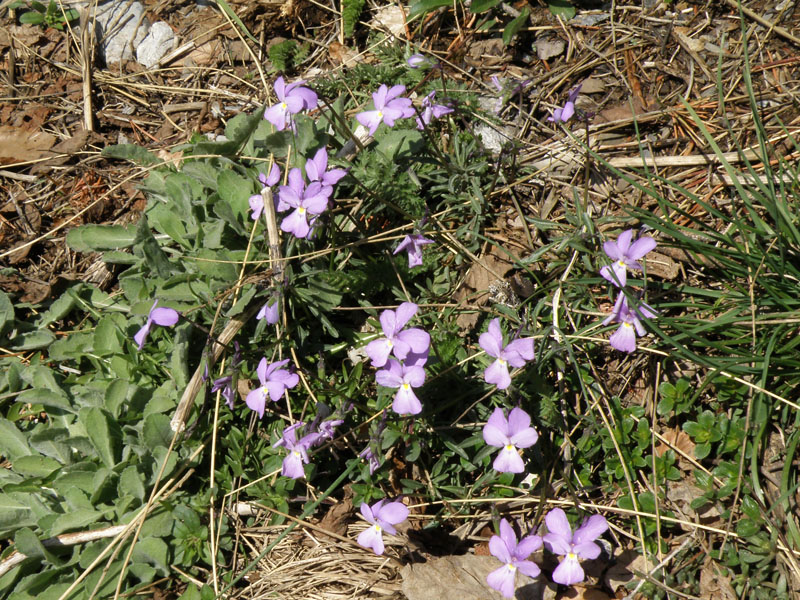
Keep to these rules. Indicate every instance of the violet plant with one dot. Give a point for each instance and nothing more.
(511, 435)
(516, 353)
(382, 516)
(625, 255)
(274, 381)
(413, 244)
(630, 320)
(166, 317)
(389, 107)
(573, 547)
(514, 556)
(398, 341)
(292, 99)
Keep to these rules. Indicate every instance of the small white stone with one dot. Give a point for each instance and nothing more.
(159, 42)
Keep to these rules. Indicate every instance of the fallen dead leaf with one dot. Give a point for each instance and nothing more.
(662, 266)
(547, 49)
(338, 515)
(340, 54)
(171, 158)
(677, 439)
(485, 279)
(391, 18)
(624, 569)
(623, 111)
(19, 146)
(714, 586)
(460, 577)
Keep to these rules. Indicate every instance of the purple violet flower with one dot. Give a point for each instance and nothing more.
(311, 200)
(267, 181)
(505, 548)
(431, 111)
(388, 108)
(166, 317)
(516, 354)
(509, 434)
(413, 245)
(381, 517)
(624, 254)
(271, 310)
(292, 99)
(396, 341)
(560, 540)
(226, 385)
(368, 455)
(624, 338)
(404, 379)
(317, 169)
(562, 115)
(274, 381)
(298, 450)
(415, 61)
(326, 429)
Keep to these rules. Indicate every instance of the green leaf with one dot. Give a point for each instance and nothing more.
(514, 26)
(236, 191)
(35, 466)
(48, 399)
(14, 513)
(154, 255)
(104, 434)
(107, 337)
(130, 482)
(153, 551)
(351, 11)
(132, 152)
(156, 431)
(425, 6)
(241, 127)
(481, 6)
(31, 340)
(28, 544)
(31, 18)
(53, 442)
(13, 443)
(74, 519)
(561, 8)
(165, 219)
(6, 312)
(96, 238)
(191, 593)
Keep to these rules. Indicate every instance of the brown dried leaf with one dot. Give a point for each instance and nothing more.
(18, 145)
(340, 54)
(713, 586)
(676, 439)
(391, 18)
(662, 266)
(624, 569)
(462, 577)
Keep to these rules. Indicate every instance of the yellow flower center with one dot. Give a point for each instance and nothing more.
(626, 324)
(621, 263)
(406, 386)
(297, 454)
(511, 567)
(572, 556)
(301, 210)
(501, 361)
(283, 105)
(510, 447)
(377, 528)
(380, 114)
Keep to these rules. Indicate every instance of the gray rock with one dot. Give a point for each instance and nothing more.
(120, 26)
(160, 41)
